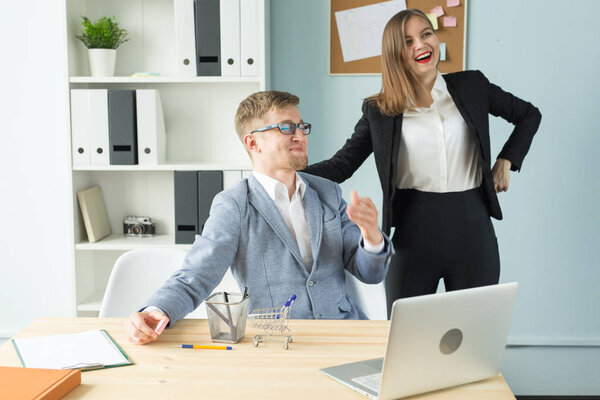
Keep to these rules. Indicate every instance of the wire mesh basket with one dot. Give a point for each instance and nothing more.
(274, 321)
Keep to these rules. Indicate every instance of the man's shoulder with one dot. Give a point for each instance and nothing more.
(317, 182)
(238, 193)
(328, 191)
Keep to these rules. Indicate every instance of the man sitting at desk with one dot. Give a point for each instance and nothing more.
(282, 232)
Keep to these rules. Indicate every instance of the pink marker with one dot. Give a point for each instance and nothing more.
(161, 326)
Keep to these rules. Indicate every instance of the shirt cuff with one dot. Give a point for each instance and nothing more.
(154, 308)
(374, 249)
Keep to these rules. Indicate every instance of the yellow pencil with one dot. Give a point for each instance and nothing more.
(200, 346)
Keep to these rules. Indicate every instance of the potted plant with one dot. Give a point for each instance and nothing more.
(102, 39)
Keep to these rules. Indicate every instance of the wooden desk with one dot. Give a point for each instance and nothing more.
(162, 371)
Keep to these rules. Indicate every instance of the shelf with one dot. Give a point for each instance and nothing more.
(120, 242)
(164, 79)
(168, 167)
(92, 302)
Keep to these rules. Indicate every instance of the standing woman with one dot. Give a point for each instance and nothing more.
(430, 136)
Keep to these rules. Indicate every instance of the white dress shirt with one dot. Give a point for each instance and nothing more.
(291, 210)
(436, 151)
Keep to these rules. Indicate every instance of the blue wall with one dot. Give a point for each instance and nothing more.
(542, 51)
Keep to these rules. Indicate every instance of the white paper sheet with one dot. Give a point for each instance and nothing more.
(75, 350)
(361, 29)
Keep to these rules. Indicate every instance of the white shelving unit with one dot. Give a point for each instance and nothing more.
(163, 79)
(199, 119)
(242, 165)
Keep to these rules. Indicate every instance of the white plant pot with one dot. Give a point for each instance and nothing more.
(102, 61)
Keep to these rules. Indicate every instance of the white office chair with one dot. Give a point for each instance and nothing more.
(369, 298)
(137, 274)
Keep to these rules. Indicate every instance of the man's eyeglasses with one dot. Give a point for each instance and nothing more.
(287, 128)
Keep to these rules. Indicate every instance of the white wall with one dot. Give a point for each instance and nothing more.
(36, 277)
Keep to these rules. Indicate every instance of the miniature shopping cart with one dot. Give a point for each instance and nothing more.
(274, 322)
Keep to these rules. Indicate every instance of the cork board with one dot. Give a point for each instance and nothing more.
(454, 37)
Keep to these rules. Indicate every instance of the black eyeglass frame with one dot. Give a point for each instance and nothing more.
(305, 129)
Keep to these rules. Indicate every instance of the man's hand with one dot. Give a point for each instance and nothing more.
(501, 175)
(140, 326)
(363, 213)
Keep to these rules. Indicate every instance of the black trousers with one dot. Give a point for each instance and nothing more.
(441, 235)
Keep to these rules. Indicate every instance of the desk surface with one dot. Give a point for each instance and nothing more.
(162, 371)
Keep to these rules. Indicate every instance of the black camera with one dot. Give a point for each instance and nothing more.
(138, 226)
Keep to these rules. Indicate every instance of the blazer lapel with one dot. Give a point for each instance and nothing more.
(460, 104)
(314, 219)
(258, 197)
(395, 148)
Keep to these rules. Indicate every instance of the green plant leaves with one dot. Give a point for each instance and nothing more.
(103, 34)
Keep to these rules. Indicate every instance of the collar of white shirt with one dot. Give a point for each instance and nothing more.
(439, 91)
(439, 87)
(273, 186)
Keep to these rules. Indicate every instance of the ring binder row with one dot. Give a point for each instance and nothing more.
(194, 193)
(217, 37)
(117, 127)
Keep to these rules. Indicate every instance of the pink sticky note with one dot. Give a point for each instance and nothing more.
(161, 326)
(449, 21)
(438, 11)
(452, 3)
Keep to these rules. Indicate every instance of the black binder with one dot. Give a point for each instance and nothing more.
(210, 183)
(186, 206)
(122, 127)
(208, 37)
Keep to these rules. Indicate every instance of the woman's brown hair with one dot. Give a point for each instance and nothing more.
(397, 82)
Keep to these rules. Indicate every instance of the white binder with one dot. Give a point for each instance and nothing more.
(80, 125)
(185, 37)
(249, 33)
(230, 37)
(98, 112)
(151, 135)
(230, 178)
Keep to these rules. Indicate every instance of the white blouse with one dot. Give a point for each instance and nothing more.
(436, 151)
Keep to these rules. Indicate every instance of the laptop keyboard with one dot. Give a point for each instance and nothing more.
(369, 381)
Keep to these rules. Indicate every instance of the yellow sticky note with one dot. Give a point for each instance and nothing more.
(433, 19)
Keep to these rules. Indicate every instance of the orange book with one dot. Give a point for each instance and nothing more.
(39, 384)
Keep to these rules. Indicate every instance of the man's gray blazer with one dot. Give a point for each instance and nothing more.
(246, 231)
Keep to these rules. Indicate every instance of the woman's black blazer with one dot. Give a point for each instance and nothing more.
(475, 97)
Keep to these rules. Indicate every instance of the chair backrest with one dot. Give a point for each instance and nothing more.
(137, 274)
(369, 298)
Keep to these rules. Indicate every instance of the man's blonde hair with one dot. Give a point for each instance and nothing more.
(255, 106)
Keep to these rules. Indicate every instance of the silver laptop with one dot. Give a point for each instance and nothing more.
(436, 341)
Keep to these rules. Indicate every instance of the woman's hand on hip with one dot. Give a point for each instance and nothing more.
(363, 213)
(501, 175)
